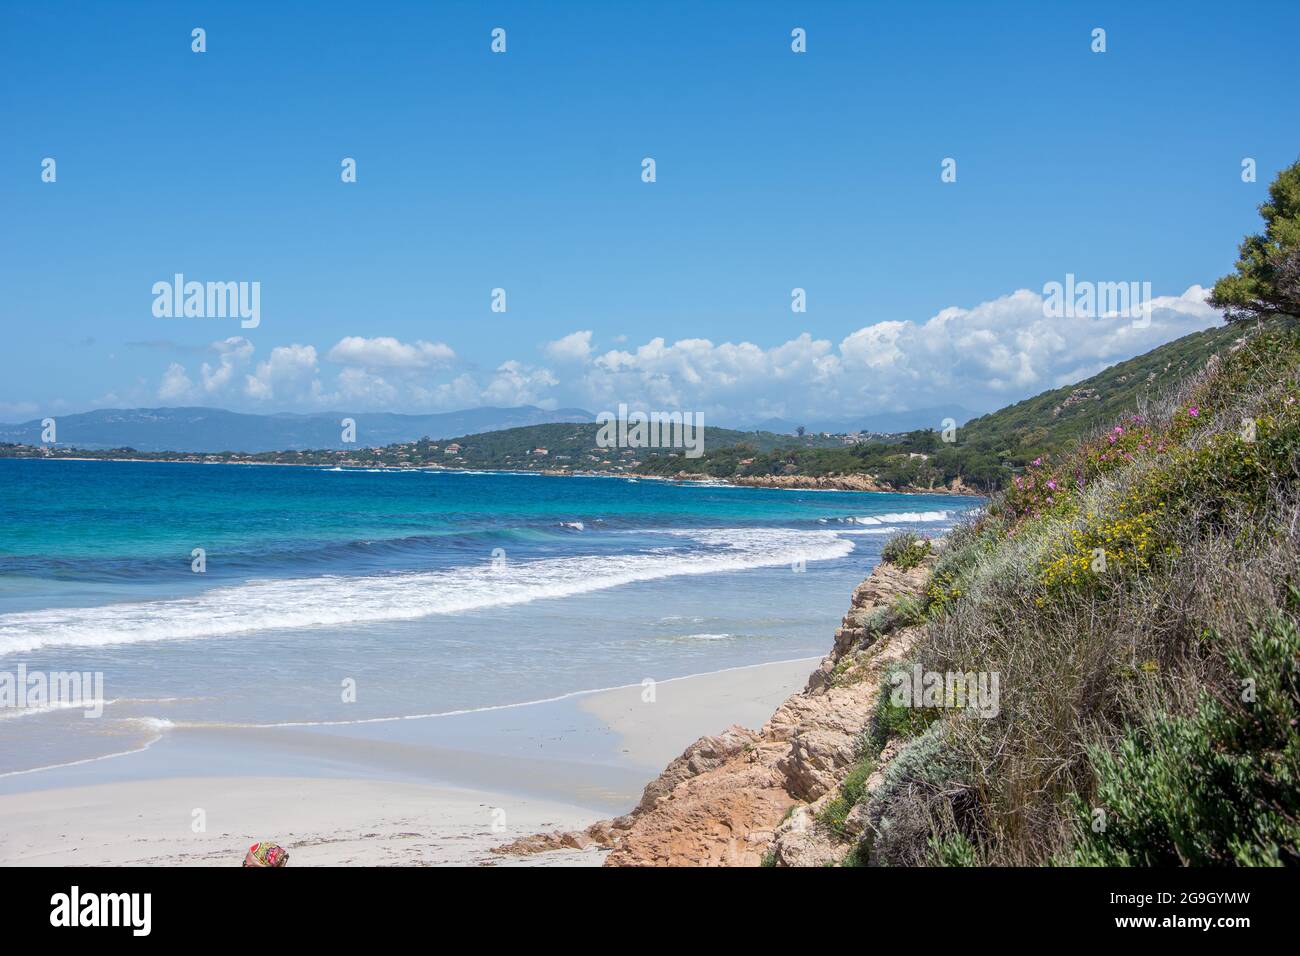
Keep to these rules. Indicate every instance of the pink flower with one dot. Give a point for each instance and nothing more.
(1037, 461)
(1194, 411)
(1051, 484)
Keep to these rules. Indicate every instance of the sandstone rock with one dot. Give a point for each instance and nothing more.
(703, 755)
(817, 761)
(856, 821)
(600, 834)
(799, 841)
(820, 679)
(722, 817)
(877, 777)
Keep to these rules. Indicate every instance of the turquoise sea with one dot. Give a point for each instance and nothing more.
(335, 596)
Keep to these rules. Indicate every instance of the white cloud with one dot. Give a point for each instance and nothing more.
(175, 385)
(574, 347)
(290, 377)
(235, 353)
(389, 353)
(514, 383)
(357, 388)
(981, 357)
(288, 374)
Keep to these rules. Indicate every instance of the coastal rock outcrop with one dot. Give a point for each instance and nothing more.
(850, 482)
(858, 630)
(701, 756)
(799, 841)
(743, 798)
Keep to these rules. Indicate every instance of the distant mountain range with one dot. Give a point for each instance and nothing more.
(216, 430)
(881, 422)
(198, 429)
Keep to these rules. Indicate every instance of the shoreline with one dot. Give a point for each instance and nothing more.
(598, 701)
(856, 482)
(385, 794)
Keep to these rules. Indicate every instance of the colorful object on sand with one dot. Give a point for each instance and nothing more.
(266, 854)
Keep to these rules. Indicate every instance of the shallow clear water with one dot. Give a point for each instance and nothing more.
(427, 592)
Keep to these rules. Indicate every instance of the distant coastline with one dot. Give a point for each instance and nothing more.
(850, 482)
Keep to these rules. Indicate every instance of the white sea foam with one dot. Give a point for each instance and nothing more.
(52, 707)
(335, 600)
(904, 517)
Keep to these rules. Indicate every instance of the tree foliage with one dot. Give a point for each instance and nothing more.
(1267, 280)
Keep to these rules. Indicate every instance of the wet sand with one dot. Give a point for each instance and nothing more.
(420, 792)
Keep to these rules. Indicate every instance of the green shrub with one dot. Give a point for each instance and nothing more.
(907, 611)
(854, 786)
(905, 550)
(921, 798)
(890, 720)
(953, 849)
(1218, 788)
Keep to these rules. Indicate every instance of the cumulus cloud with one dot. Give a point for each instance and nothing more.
(215, 378)
(574, 347)
(514, 383)
(175, 385)
(981, 357)
(385, 352)
(376, 373)
(289, 373)
(234, 353)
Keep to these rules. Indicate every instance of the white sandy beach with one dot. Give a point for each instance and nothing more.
(652, 734)
(321, 822)
(326, 821)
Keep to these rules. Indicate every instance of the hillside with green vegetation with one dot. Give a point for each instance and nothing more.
(557, 447)
(1137, 596)
(574, 446)
(1139, 599)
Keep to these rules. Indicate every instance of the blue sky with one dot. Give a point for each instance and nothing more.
(522, 171)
